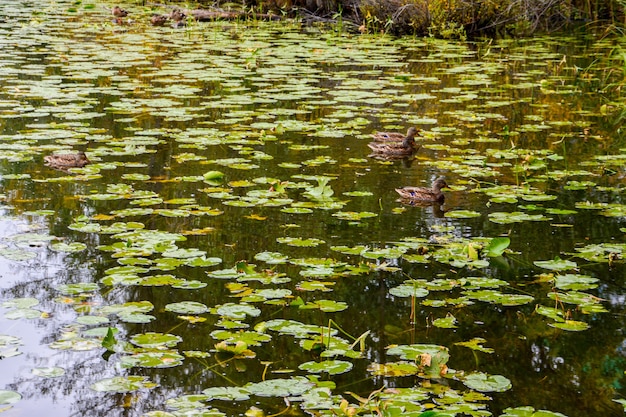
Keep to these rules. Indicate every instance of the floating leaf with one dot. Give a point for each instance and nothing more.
(294, 241)
(159, 359)
(462, 214)
(279, 387)
(408, 290)
(123, 384)
(557, 264)
(570, 325)
(354, 216)
(332, 367)
(237, 311)
(515, 217)
(155, 340)
(51, 372)
(271, 257)
(328, 306)
(394, 369)
(187, 307)
(68, 247)
(226, 393)
(9, 397)
(497, 246)
(448, 322)
(476, 344)
(431, 359)
(483, 382)
(529, 412)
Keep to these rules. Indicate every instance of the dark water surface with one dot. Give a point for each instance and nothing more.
(273, 106)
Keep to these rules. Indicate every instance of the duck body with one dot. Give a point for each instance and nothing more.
(67, 160)
(394, 136)
(432, 194)
(178, 15)
(394, 149)
(117, 11)
(118, 15)
(159, 19)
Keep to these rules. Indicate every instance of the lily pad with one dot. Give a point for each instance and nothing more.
(187, 307)
(483, 382)
(9, 397)
(557, 264)
(123, 384)
(331, 367)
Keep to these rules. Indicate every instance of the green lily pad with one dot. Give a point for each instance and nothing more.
(294, 241)
(279, 387)
(271, 257)
(515, 217)
(475, 344)
(448, 322)
(575, 282)
(74, 289)
(529, 412)
(23, 313)
(49, 372)
(354, 216)
(431, 359)
(557, 264)
(248, 338)
(497, 246)
(237, 311)
(226, 393)
(327, 306)
(462, 214)
(570, 325)
(123, 384)
(408, 290)
(68, 247)
(394, 369)
(9, 397)
(187, 307)
(155, 340)
(331, 367)
(158, 359)
(483, 382)
(26, 302)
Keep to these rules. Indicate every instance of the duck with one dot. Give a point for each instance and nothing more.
(117, 11)
(178, 15)
(66, 161)
(395, 136)
(118, 15)
(432, 194)
(159, 19)
(394, 149)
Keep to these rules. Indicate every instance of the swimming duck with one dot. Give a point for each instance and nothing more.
(432, 194)
(159, 19)
(117, 11)
(394, 136)
(118, 15)
(178, 15)
(394, 149)
(67, 160)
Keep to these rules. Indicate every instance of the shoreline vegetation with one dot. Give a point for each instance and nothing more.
(440, 18)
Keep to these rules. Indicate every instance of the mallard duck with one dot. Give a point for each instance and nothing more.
(66, 160)
(118, 15)
(159, 19)
(394, 149)
(117, 11)
(432, 194)
(178, 15)
(395, 136)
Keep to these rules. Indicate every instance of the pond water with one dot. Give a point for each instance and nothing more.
(231, 220)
